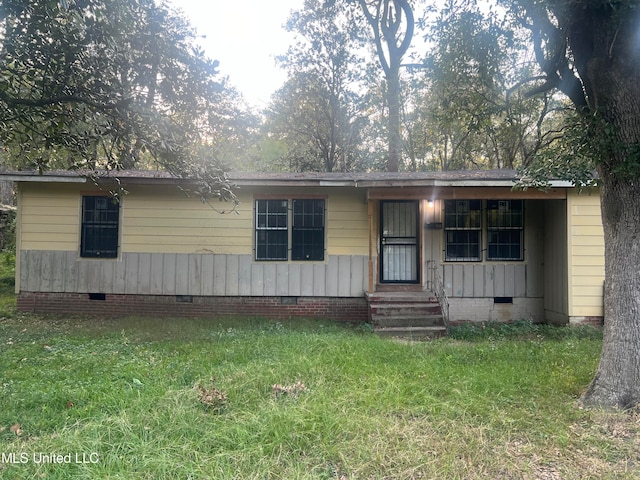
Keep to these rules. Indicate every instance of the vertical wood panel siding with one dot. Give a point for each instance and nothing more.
(485, 280)
(556, 266)
(191, 274)
(488, 280)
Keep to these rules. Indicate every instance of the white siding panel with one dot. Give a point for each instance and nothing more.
(219, 274)
(344, 276)
(192, 274)
(70, 266)
(520, 284)
(144, 272)
(295, 280)
(447, 278)
(195, 275)
(269, 279)
(282, 279)
(244, 278)
(46, 270)
(182, 274)
(207, 282)
(306, 279)
(157, 268)
(468, 275)
(106, 276)
(319, 274)
(489, 276)
(332, 276)
(509, 281)
(231, 281)
(169, 277)
(358, 277)
(257, 279)
(57, 281)
(458, 280)
(119, 276)
(478, 281)
(131, 273)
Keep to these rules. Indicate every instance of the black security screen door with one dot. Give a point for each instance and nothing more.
(399, 241)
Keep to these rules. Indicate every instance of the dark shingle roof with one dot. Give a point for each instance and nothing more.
(500, 177)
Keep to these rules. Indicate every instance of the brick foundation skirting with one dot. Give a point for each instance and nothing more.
(352, 310)
(592, 321)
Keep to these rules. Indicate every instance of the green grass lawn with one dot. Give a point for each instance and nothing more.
(118, 399)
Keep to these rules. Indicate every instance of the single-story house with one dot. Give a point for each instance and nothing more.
(465, 246)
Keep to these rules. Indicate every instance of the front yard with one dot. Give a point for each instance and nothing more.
(98, 398)
(250, 399)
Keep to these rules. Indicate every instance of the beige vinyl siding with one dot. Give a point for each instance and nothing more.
(50, 217)
(163, 219)
(586, 254)
(347, 223)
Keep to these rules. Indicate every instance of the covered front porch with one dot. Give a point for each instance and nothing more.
(478, 252)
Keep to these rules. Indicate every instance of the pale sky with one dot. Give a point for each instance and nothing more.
(244, 35)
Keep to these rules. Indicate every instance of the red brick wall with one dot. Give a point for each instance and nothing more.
(353, 310)
(593, 321)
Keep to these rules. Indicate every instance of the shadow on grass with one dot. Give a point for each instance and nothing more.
(521, 329)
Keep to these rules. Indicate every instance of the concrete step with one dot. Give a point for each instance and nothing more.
(412, 315)
(401, 297)
(395, 309)
(408, 321)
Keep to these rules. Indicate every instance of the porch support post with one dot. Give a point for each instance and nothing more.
(372, 246)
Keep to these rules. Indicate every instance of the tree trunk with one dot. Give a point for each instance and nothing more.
(603, 42)
(617, 380)
(393, 100)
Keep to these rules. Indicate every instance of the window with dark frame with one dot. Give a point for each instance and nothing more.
(463, 227)
(307, 230)
(305, 233)
(505, 230)
(100, 225)
(272, 237)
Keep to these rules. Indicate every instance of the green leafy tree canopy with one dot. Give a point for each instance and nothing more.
(107, 84)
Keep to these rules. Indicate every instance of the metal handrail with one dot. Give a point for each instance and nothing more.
(441, 294)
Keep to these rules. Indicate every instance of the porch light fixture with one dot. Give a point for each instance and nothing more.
(432, 216)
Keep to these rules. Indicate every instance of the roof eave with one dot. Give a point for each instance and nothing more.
(434, 183)
(249, 181)
(44, 178)
(294, 182)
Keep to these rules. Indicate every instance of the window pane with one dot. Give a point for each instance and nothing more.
(307, 234)
(505, 245)
(100, 223)
(271, 230)
(505, 229)
(463, 222)
(463, 245)
(505, 214)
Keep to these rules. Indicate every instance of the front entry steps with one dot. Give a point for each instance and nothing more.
(406, 315)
